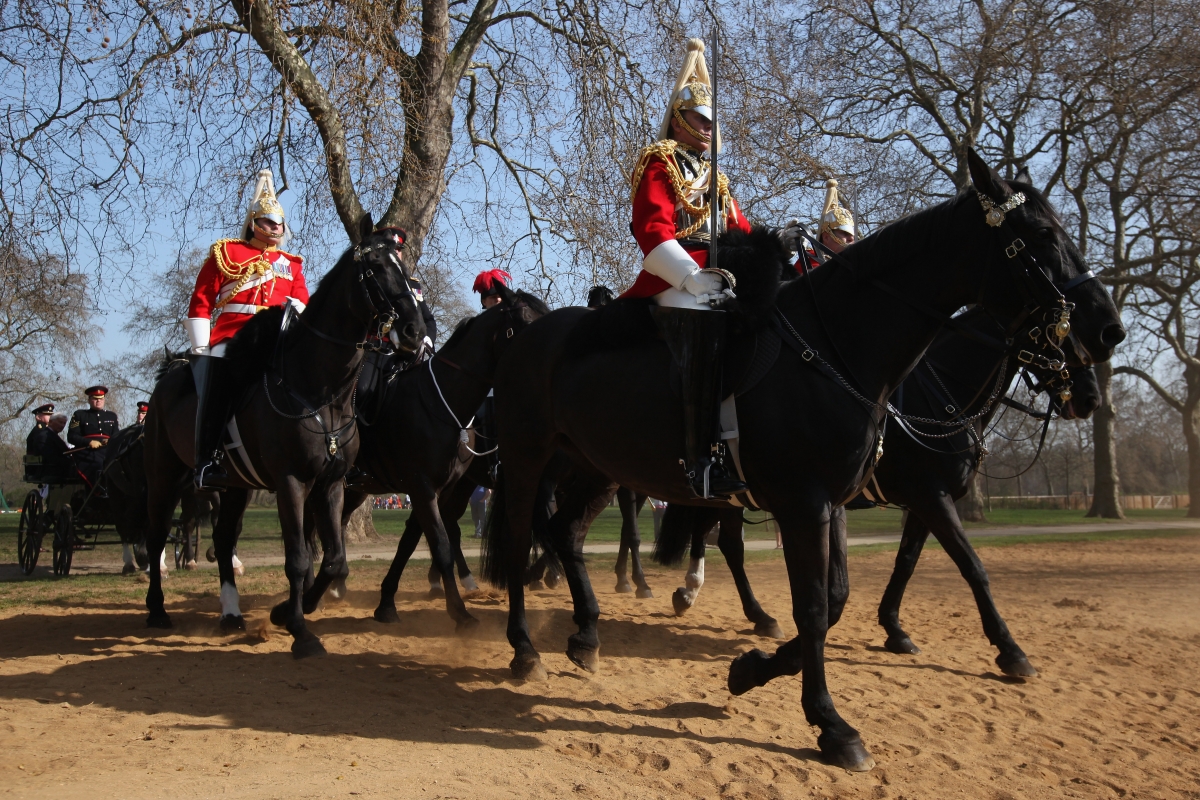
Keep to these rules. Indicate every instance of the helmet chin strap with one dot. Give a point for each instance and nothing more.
(699, 136)
(273, 240)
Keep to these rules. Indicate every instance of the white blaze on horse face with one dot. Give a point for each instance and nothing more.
(229, 601)
(694, 580)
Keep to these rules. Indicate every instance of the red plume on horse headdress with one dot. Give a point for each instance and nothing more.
(485, 282)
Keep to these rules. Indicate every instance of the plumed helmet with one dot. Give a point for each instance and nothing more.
(263, 203)
(485, 282)
(692, 92)
(834, 217)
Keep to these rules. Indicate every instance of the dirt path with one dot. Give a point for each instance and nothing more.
(92, 706)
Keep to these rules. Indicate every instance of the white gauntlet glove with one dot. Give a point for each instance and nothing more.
(703, 283)
(791, 236)
(198, 331)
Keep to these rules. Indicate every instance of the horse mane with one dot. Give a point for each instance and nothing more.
(169, 362)
(464, 324)
(757, 260)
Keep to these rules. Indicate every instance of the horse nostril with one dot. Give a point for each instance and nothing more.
(1112, 335)
(410, 331)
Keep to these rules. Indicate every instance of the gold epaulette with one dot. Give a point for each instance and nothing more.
(235, 270)
(664, 150)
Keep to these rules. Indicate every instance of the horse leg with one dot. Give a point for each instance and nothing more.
(163, 493)
(510, 533)
(189, 518)
(626, 502)
(452, 505)
(386, 610)
(685, 596)
(224, 538)
(635, 553)
(729, 540)
(911, 543)
(806, 544)
(839, 573)
(290, 497)
(426, 510)
(568, 527)
(947, 527)
(324, 507)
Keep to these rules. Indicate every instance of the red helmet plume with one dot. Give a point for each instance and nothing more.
(485, 282)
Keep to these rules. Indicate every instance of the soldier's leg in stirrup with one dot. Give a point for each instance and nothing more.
(212, 414)
(696, 340)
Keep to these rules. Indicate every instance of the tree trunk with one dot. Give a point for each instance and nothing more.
(1191, 432)
(970, 505)
(1106, 502)
(361, 528)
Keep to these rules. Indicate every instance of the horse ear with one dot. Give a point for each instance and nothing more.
(365, 226)
(984, 178)
(507, 295)
(1023, 175)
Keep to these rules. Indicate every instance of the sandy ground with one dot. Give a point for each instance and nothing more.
(92, 705)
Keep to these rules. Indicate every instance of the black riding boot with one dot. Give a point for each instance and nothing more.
(697, 341)
(212, 414)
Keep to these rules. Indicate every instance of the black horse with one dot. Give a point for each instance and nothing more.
(809, 427)
(924, 475)
(293, 430)
(421, 442)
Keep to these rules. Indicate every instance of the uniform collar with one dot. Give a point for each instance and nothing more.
(257, 245)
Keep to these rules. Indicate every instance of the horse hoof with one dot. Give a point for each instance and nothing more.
(769, 628)
(211, 554)
(465, 627)
(128, 569)
(310, 645)
(469, 583)
(280, 614)
(231, 624)
(436, 592)
(902, 646)
(1016, 666)
(528, 668)
(624, 587)
(552, 581)
(645, 594)
(190, 565)
(850, 756)
(158, 619)
(583, 655)
(681, 603)
(743, 672)
(337, 589)
(387, 614)
(536, 586)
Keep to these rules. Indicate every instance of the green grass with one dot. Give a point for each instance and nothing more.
(261, 533)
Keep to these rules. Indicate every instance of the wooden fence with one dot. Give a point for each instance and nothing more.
(1081, 502)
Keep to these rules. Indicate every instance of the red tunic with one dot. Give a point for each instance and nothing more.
(267, 278)
(654, 223)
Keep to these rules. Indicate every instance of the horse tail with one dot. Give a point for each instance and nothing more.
(675, 535)
(494, 557)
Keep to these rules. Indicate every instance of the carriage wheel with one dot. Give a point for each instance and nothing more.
(64, 541)
(29, 532)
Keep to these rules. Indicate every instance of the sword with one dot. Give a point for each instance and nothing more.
(714, 194)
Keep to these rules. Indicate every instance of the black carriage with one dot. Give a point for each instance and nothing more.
(77, 516)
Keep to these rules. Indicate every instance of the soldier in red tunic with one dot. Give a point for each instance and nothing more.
(673, 224)
(239, 278)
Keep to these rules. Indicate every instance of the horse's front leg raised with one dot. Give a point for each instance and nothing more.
(425, 508)
(290, 497)
(806, 549)
(729, 540)
(225, 536)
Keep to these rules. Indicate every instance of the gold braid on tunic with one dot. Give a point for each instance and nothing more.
(664, 150)
(242, 272)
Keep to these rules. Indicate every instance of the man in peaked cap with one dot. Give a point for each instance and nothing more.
(239, 278)
(143, 407)
(44, 448)
(89, 432)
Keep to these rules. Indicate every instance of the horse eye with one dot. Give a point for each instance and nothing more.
(1046, 233)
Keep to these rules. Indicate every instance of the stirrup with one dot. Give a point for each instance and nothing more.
(710, 484)
(210, 476)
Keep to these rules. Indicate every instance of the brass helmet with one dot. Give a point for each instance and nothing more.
(834, 217)
(263, 203)
(692, 92)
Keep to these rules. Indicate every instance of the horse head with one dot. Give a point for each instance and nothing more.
(1049, 283)
(479, 342)
(389, 301)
